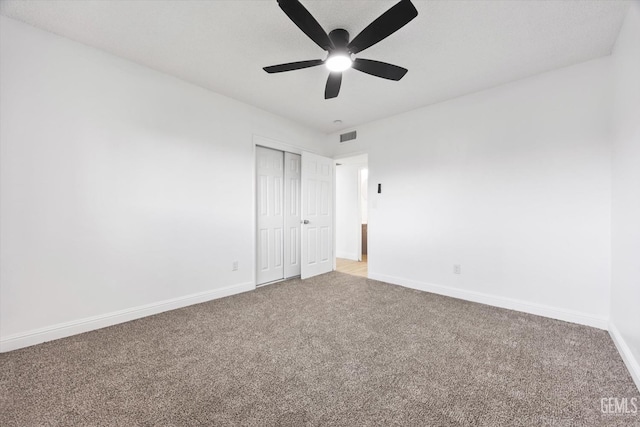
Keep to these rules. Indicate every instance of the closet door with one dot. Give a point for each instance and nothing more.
(317, 215)
(270, 215)
(292, 164)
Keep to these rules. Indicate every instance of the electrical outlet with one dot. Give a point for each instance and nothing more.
(456, 268)
(234, 267)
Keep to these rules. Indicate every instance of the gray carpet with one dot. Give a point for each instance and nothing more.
(333, 350)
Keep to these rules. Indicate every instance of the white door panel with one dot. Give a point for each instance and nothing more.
(292, 166)
(317, 213)
(270, 221)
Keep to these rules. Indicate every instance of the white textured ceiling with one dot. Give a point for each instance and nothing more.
(452, 48)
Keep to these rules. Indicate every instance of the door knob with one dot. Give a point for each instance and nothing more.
(306, 221)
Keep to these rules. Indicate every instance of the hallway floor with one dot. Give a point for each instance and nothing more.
(355, 268)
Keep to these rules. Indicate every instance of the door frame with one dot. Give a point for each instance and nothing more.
(362, 207)
(263, 141)
(336, 159)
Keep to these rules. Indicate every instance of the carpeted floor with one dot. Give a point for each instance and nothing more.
(333, 350)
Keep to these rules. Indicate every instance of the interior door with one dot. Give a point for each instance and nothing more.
(270, 219)
(292, 166)
(317, 215)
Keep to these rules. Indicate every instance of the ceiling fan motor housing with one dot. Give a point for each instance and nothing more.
(339, 38)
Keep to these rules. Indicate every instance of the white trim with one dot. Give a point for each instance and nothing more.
(66, 329)
(496, 301)
(361, 206)
(335, 216)
(274, 144)
(627, 355)
(254, 212)
(358, 223)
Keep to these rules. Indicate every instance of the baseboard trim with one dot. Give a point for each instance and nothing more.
(496, 301)
(627, 355)
(347, 255)
(66, 329)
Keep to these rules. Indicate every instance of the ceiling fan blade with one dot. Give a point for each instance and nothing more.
(333, 85)
(386, 24)
(379, 69)
(293, 66)
(307, 23)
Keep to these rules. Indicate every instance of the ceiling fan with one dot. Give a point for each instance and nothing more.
(340, 49)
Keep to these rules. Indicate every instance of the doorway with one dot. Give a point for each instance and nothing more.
(352, 174)
(294, 214)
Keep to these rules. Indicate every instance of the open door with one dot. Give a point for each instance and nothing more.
(317, 215)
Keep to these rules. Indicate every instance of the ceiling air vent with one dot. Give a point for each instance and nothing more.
(348, 136)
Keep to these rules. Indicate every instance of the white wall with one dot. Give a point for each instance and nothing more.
(121, 187)
(512, 183)
(347, 211)
(625, 289)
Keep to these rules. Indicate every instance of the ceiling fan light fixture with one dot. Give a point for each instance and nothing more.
(340, 50)
(339, 62)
